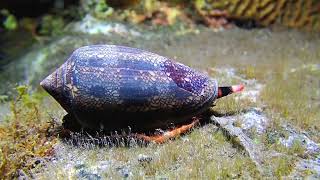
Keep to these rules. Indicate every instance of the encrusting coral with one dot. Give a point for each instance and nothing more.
(298, 13)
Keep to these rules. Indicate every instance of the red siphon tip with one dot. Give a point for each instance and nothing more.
(237, 88)
(224, 91)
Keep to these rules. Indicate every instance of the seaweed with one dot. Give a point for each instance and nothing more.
(26, 135)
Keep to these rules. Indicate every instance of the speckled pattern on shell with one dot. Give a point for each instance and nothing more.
(113, 87)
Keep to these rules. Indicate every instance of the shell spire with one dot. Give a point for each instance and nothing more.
(224, 91)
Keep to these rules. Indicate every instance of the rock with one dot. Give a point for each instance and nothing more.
(22, 175)
(302, 138)
(144, 158)
(85, 172)
(254, 118)
(91, 25)
(103, 166)
(310, 165)
(82, 174)
(248, 145)
(124, 171)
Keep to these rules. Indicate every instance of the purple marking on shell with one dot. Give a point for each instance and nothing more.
(185, 77)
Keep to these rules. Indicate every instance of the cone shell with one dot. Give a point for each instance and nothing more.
(114, 87)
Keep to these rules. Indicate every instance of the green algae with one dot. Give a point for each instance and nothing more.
(293, 95)
(25, 135)
(10, 23)
(205, 152)
(52, 25)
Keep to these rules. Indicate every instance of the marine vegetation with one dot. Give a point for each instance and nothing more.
(10, 22)
(300, 13)
(277, 115)
(304, 14)
(26, 137)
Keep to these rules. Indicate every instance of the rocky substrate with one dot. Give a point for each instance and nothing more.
(207, 51)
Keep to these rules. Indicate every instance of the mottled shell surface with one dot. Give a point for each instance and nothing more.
(114, 87)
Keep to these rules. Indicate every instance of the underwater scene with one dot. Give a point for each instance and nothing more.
(159, 89)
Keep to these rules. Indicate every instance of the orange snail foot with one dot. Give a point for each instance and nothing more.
(169, 134)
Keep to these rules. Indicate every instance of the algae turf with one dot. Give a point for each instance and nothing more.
(288, 73)
(294, 94)
(204, 153)
(25, 135)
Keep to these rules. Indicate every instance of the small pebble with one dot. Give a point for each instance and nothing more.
(144, 158)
